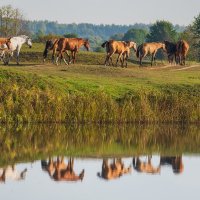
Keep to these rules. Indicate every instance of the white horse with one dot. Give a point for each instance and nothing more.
(16, 44)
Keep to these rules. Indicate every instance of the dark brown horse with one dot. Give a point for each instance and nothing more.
(121, 48)
(69, 44)
(171, 51)
(149, 48)
(49, 46)
(182, 48)
(175, 161)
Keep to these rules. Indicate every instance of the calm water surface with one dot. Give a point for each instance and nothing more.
(157, 175)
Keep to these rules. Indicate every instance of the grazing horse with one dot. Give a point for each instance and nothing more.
(10, 172)
(150, 48)
(121, 48)
(175, 161)
(60, 171)
(182, 50)
(113, 170)
(69, 44)
(171, 51)
(16, 44)
(145, 167)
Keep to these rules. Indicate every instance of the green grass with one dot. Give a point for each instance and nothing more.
(90, 92)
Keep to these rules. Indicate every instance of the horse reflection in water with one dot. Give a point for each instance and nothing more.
(175, 161)
(60, 171)
(145, 166)
(10, 173)
(113, 170)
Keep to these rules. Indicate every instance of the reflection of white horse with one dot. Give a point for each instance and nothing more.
(11, 173)
(16, 44)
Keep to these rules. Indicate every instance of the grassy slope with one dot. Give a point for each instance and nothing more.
(152, 85)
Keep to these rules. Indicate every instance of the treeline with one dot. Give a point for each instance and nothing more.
(13, 23)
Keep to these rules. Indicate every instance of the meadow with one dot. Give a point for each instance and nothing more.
(89, 92)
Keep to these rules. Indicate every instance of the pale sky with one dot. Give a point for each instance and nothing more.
(127, 12)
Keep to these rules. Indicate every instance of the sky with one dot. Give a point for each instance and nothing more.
(126, 12)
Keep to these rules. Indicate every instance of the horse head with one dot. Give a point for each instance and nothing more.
(49, 45)
(87, 44)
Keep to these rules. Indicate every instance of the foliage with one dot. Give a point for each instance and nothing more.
(118, 37)
(70, 35)
(11, 22)
(136, 35)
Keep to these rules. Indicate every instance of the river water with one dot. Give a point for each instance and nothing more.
(121, 167)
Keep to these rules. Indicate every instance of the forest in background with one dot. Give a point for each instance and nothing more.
(12, 22)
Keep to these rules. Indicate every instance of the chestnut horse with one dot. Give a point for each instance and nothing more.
(4, 44)
(182, 48)
(150, 48)
(145, 167)
(121, 48)
(171, 51)
(69, 44)
(113, 170)
(60, 171)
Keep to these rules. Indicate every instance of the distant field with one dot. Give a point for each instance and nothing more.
(91, 92)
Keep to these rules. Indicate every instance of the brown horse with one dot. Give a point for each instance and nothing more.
(150, 48)
(182, 48)
(145, 167)
(4, 45)
(171, 51)
(113, 170)
(69, 44)
(60, 171)
(121, 48)
(175, 161)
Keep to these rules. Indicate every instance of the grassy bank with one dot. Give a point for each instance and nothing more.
(33, 142)
(88, 92)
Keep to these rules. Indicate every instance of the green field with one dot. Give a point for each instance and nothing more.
(91, 92)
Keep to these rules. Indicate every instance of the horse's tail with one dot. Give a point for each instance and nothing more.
(138, 51)
(104, 44)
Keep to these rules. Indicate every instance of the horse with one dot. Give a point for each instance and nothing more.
(60, 171)
(49, 46)
(182, 50)
(121, 48)
(171, 51)
(16, 44)
(113, 170)
(4, 44)
(150, 48)
(145, 167)
(175, 161)
(69, 44)
(10, 172)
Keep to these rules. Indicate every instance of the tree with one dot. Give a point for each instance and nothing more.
(195, 34)
(11, 21)
(70, 35)
(160, 31)
(118, 37)
(136, 35)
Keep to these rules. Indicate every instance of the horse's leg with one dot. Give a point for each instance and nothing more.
(18, 50)
(69, 58)
(119, 58)
(74, 57)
